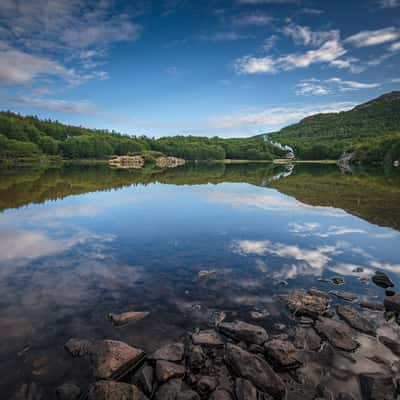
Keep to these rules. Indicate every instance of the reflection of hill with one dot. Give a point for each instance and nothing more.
(21, 187)
(370, 195)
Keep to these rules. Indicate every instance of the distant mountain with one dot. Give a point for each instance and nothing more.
(373, 124)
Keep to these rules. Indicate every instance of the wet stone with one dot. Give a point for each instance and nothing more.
(391, 344)
(221, 394)
(355, 320)
(337, 333)
(29, 392)
(127, 317)
(377, 387)
(169, 352)
(245, 390)
(337, 280)
(301, 303)
(188, 395)
(240, 330)
(372, 305)
(382, 280)
(206, 384)
(169, 390)
(68, 391)
(256, 370)
(392, 303)
(347, 296)
(317, 292)
(207, 338)
(344, 396)
(166, 370)
(389, 292)
(111, 390)
(282, 354)
(307, 339)
(79, 347)
(358, 270)
(145, 377)
(197, 358)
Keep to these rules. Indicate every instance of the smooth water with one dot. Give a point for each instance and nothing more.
(77, 243)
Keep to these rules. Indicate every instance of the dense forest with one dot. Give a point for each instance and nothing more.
(371, 131)
(22, 136)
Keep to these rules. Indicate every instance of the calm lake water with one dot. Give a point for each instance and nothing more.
(77, 243)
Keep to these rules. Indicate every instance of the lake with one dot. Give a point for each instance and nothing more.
(79, 242)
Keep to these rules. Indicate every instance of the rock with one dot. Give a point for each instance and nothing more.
(344, 396)
(391, 344)
(111, 390)
(28, 392)
(170, 390)
(377, 387)
(256, 370)
(343, 295)
(382, 280)
(337, 333)
(245, 390)
(306, 304)
(279, 327)
(196, 358)
(355, 320)
(305, 321)
(307, 339)
(221, 394)
(364, 280)
(169, 352)
(166, 370)
(68, 391)
(79, 347)
(206, 274)
(338, 280)
(389, 292)
(282, 354)
(319, 293)
(127, 317)
(113, 359)
(127, 162)
(259, 314)
(145, 377)
(240, 330)
(323, 393)
(372, 305)
(358, 270)
(206, 385)
(207, 338)
(188, 395)
(281, 283)
(169, 162)
(392, 303)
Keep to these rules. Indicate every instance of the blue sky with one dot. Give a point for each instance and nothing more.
(228, 68)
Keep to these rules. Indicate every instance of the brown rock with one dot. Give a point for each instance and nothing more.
(377, 387)
(221, 394)
(111, 390)
(245, 390)
(207, 338)
(169, 352)
(282, 354)
(240, 330)
(68, 391)
(392, 303)
(79, 347)
(306, 304)
(170, 390)
(355, 320)
(196, 358)
(307, 339)
(127, 317)
(166, 370)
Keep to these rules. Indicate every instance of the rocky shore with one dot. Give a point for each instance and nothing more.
(137, 162)
(337, 347)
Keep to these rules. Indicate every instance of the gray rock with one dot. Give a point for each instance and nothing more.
(169, 391)
(323, 393)
(282, 354)
(188, 395)
(392, 303)
(113, 359)
(240, 330)
(347, 296)
(301, 303)
(382, 280)
(245, 390)
(317, 292)
(111, 390)
(68, 391)
(337, 333)
(372, 305)
(358, 270)
(206, 384)
(28, 392)
(79, 347)
(221, 394)
(256, 370)
(169, 352)
(391, 344)
(337, 280)
(127, 317)
(377, 387)
(166, 370)
(307, 339)
(145, 377)
(344, 396)
(355, 320)
(207, 338)
(196, 358)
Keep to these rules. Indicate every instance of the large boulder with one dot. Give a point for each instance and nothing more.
(240, 330)
(256, 370)
(169, 391)
(392, 303)
(382, 280)
(166, 370)
(307, 304)
(245, 390)
(282, 354)
(337, 333)
(355, 320)
(111, 359)
(307, 339)
(377, 386)
(169, 352)
(79, 347)
(111, 390)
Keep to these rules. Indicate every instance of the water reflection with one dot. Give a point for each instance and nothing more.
(79, 242)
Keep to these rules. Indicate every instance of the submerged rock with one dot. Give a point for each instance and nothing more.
(206, 384)
(221, 394)
(111, 390)
(28, 392)
(355, 320)
(169, 352)
(377, 387)
(282, 354)
(127, 317)
(256, 370)
(347, 296)
(260, 314)
(206, 274)
(79, 347)
(112, 359)
(338, 280)
(240, 330)
(306, 304)
(337, 333)
(197, 358)
(68, 391)
(382, 280)
(207, 338)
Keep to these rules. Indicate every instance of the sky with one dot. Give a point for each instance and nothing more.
(231, 68)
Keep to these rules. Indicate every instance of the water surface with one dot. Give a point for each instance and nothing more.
(77, 243)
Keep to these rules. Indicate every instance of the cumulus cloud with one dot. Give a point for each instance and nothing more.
(304, 35)
(276, 115)
(315, 229)
(374, 37)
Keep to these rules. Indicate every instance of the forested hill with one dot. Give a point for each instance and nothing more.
(22, 136)
(370, 130)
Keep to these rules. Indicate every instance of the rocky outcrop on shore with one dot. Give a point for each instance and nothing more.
(169, 162)
(127, 162)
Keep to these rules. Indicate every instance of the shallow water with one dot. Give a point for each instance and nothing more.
(77, 243)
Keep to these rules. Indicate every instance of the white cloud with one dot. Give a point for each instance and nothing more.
(255, 65)
(258, 19)
(312, 11)
(390, 3)
(269, 43)
(311, 88)
(276, 115)
(373, 38)
(304, 35)
(222, 36)
(386, 266)
(395, 46)
(315, 229)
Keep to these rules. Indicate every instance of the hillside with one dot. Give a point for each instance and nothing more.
(27, 136)
(370, 130)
